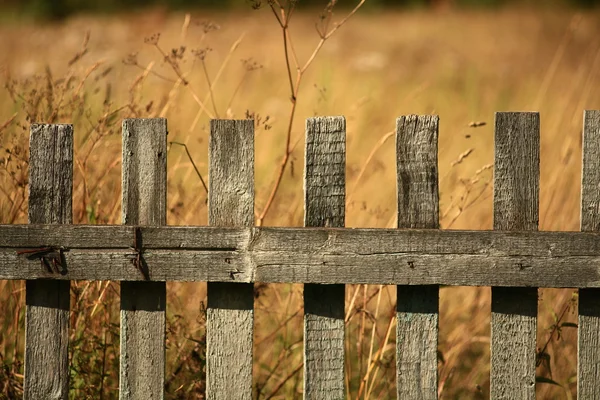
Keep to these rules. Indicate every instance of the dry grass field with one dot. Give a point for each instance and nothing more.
(461, 65)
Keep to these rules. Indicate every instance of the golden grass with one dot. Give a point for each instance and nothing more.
(463, 66)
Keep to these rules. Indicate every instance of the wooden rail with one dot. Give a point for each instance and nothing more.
(304, 255)
(143, 253)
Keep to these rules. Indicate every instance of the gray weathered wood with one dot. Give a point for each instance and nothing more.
(417, 306)
(230, 312)
(47, 302)
(516, 207)
(589, 299)
(378, 244)
(143, 304)
(311, 255)
(324, 206)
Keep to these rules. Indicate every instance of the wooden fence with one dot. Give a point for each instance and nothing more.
(515, 259)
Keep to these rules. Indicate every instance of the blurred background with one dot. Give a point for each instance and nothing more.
(93, 63)
(64, 8)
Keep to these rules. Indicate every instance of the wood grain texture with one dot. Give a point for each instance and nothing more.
(310, 255)
(143, 304)
(516, 207)
(230, 311)
(324, 206)
(47, 302)
(417, 306)
(588, 350)
(417, 177)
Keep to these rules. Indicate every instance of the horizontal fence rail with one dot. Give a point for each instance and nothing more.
(231, 255)
(302, 255)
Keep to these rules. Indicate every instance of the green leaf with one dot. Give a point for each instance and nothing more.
(91, 214)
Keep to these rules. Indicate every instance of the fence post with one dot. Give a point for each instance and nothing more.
(324, 206)
(588, 352)
(417, 307)
(143, 304)
(516, 207)
(230, 308)
(47, 301)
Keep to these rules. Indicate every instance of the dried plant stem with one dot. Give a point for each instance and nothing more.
(281, 359)
(199, 102)
(18, 209)
(376, 361)
(87, 74)
(289, 50)
(225, 62)
(293, 89)
(376, 148)
(328, 35)
(156, 74)
(361, 332)
(284, 380)
(236, 90)
(352, 312)
(19, 301)
(280, 325)
(180, 75)
(210, 91)
(174, 90)
(351, 306)
(554, 329)
(193, 164)
(202, 109)
(365, 381)
(8, 122)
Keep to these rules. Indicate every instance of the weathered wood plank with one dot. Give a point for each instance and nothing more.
(352, 241)
(311, 255)
(416, 152)
(122, 236)
(143, 304)
(516, 207)
(324, 206)
(417, 306)
(48, 302)
(321, 266)
(588, 350)
(230, 311)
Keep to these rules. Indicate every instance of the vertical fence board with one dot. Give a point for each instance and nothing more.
(588, 351)
(417, 307)
(47, 302)
(516, 207)
(143, 304)
(324, 206)
(230, 311)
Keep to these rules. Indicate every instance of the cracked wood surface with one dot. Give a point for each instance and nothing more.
(230, 308)
(311, 255)
(143, 304)
(48, 302)
(417, 306)
(325, 205)
(588, 350)
(516, 206)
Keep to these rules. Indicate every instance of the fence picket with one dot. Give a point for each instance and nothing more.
(417, 307)
(143, 304)
(417, 260)
(516, 207)
(588, 351)
(324, 205)
(47, 301)
(230, 311)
